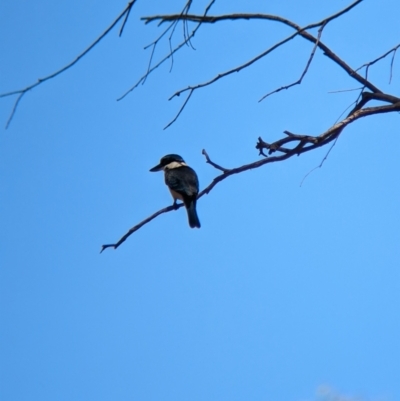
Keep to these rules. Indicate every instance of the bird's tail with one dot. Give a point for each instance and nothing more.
(192, 214)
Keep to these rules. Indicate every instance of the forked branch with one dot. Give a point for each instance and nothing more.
(299, 31)
(299, 144)
(290, 144)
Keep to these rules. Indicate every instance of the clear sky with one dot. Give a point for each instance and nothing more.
(287, 292)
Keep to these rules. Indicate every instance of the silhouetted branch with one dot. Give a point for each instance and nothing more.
(141, 224)
(290, 144)
(191, 89)
(213, 19)
(369, 64)
(209, 161)
(143, 78)
(127, 13)
(303, 32)
(301, 144)
(155, 42)
(21, 92)
(346, 90)
(298, 82)
(180, 111)
(14, 109)
(322, 161)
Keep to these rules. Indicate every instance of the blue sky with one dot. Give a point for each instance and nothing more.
(287, 292)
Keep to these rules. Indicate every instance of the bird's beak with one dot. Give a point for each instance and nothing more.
(156, 168)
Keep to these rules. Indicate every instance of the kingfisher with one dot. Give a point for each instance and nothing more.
(183, 184)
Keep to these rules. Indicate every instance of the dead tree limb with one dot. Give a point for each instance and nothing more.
(369, 64)
(170, 55)
(300, 144)
(290, 144)
(22, 92)
(303, 74)
(299, 31)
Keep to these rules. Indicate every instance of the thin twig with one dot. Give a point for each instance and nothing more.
(219, 76)
(154, 45)
(391, 66)
(170, 47)
(209, 161)
(186, 26)
(298, 82)
(369, 64)
(141, 224)
(392, 50)
(126, 19)
(14, 109)
(344, 111)
(60, 71)
(346, 90)
(322, 162)
(186, 35)
(236, 69)
(169, 55)
(180, 111)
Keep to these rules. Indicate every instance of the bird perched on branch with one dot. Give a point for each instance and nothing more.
(183, 184)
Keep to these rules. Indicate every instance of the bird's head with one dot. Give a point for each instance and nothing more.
(169, 161)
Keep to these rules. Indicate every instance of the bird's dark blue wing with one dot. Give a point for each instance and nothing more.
(183, 180)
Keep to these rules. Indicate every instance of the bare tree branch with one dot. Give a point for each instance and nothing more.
(392, 50)
(347, 90)
(322, 162)
(143, 78)
(212, 19)
(369, 64)
(302, 144)
(155, 42)
(290, 144)
(299, 32)
(127, 13)
(14, 109)
(191, 89)
(215, 165)
(141, 224)
(181, 109)
(21, 92)
(391, 67)
(298, 82)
